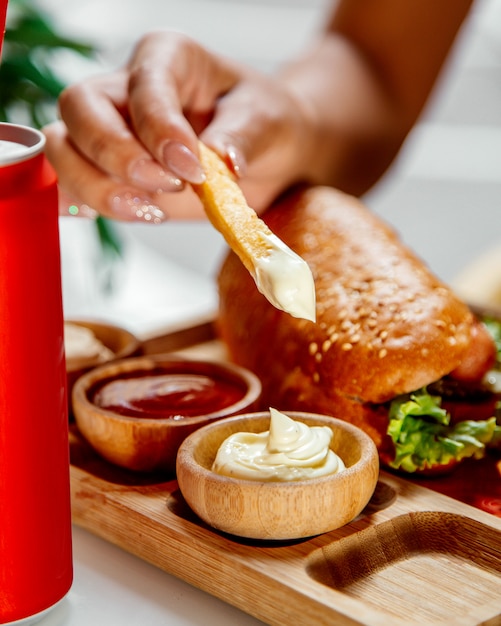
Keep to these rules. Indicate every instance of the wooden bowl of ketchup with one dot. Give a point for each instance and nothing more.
(136, 412)
(89, 344)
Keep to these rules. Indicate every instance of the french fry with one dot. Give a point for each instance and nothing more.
(280, 274)
(228, 211)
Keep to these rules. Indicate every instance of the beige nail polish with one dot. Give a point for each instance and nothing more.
(237, 160)
(131, 207)
(180, 160)
(153, 177)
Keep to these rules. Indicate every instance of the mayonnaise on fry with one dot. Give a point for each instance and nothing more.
(285, 279)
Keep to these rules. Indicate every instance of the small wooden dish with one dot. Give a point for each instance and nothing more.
(277, 510)
(145, 443)
(121, 342)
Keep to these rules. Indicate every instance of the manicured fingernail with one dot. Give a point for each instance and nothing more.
(237, 160)
(153, 177)
(131, 207)
(183, 163)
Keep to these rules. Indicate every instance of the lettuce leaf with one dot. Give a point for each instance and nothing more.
(419, 428)
(494, 328)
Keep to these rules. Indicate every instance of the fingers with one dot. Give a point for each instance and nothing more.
(92, 112)
(139, 125)
(263, 130)
(80, 177)
(130, 138)
(86, 191)
(173, 90)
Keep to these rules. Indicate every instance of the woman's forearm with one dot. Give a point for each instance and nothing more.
(364, 84)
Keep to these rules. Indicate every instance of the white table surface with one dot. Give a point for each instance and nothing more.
(443, 194)
(114, 588)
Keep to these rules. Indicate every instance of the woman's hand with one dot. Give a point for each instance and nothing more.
(127, 142)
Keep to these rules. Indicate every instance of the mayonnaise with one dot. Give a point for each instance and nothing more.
(289, 451)
(80, 343)
(285, 279)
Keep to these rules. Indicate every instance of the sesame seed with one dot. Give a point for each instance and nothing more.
(313, 347)
(355, 338)
(326, 345)
(346, 347)
(316, 377)
(382, 353)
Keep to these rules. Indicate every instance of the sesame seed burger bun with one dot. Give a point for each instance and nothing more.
(386, 325)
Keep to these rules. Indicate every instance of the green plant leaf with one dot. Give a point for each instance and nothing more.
(108, 237)
(33, 31)
(31, 87)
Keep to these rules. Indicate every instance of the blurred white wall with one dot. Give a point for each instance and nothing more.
(444, 191)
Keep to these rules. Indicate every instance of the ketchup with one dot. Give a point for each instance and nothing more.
(161, 394)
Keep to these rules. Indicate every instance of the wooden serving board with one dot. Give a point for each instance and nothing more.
(414, 556)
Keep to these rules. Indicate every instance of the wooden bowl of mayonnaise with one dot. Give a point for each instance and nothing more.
(277, 475)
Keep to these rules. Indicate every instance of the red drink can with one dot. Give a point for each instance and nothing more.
(35, 517)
